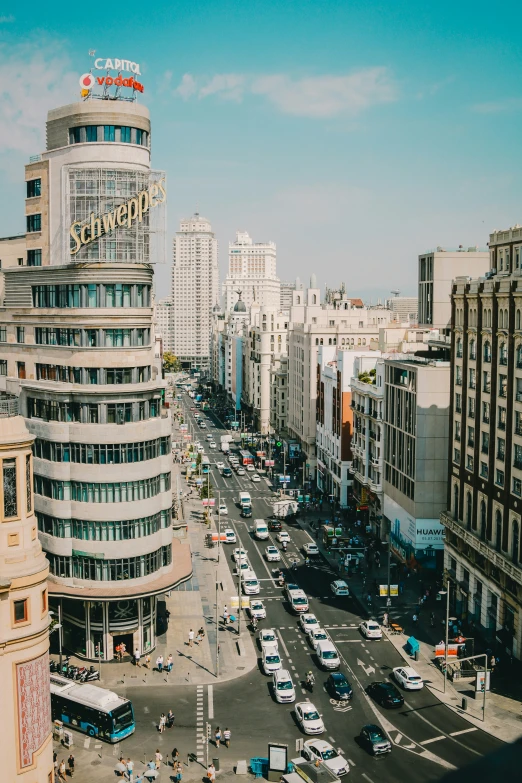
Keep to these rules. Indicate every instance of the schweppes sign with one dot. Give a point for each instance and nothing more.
(125, 215)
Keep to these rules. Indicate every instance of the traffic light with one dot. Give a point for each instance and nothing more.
(279, 444)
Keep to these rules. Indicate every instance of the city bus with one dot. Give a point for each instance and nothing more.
(91, 709)
(246, 457)
(205, 465)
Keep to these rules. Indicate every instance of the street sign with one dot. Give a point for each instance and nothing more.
(269, 463)
(284, 479)
(383, 590)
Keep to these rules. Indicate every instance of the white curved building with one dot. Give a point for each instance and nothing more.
(79, 352)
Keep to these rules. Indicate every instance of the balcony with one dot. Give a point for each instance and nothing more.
(487, 551)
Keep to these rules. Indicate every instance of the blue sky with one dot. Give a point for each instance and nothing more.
(353, 134)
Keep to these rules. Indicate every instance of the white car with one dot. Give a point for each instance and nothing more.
(239, 554)
(233, 460)
(339, 587)
(212, 444)
(272, 554)
(271, 659)
(257, 609)
(209, 436)
(267, 638)
(220, 465)
(230, 536)
(308, 718)
(244, 566)
(317, 635)
(408, 678)
(370, 629)
(321, 750)
(223, 510)
(283, 536)
(311, 549)
(203, 425)
(308, 622)
(241, 472)
(284, 690)
(255, 478)
(250, 468)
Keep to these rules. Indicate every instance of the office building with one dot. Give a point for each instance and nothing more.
(25, 738)
(194, 292)
(404, 309)
(162, 322)
(285, 299)
(251, 274)
(483, 521)
(416, 424)
(77, 349)
(436, 271)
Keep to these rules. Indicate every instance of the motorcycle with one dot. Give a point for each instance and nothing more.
(54, 666)
(92, 675)
(309, 683)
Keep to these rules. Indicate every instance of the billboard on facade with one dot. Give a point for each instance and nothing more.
(409, 533)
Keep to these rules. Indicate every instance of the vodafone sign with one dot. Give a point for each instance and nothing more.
(87, 81)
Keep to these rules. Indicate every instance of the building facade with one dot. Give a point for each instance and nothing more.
(77, 348)
(25, 740)
(416, 425)
(252, 272)
(162, 322)
(194, 292)
(436, 271)
(285, 300)
(404, 308)
(483, 521)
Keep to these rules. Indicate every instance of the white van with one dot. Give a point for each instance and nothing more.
(327, 655)
(249, 583)
(260, 529)
(299, 601)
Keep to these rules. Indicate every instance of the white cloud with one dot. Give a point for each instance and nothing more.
(314, 96)
(31, 82)
(493, 107)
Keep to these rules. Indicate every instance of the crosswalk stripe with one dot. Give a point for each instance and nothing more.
(463, 731)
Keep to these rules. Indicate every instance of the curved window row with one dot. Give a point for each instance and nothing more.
(102, 453)
(91, 295)
(93, 492)
(110, 570)
(89, 530)
(93, 375)
(120, 134)
(91, 338)
(93, 413)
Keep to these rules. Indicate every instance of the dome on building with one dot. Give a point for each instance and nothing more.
(239, 307)
(216, 308)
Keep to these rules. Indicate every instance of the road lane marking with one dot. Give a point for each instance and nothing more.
(433, 739)
(210, 702)
(367, 777)
(463, 731)
(352, 763)
(331, 739)
(283, 644)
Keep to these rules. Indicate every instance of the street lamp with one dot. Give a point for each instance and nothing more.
(58, 627)
(446, 592)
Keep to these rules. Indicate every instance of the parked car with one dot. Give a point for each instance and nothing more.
(408, 678)
(385, 694)
(370, 629)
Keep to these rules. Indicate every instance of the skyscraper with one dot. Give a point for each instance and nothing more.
(194, 291)
(251, 270)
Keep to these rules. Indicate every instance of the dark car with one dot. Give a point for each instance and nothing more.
(374, 739)
(338, 686)
(385, 694)
(227, 472)
(275, 525)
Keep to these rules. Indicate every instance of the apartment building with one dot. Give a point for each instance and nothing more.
(483, 520)
(162, 322)
(416, 429)
(251, 274)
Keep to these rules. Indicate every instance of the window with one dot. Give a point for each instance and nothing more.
(484, 470)
(501, 422)
(20, 611)
(468, 509)
(518, 423)
(517, 461)
(457, 430)
(10, 488)
(20, 334)
(108, 133)
(485, 412)
(458, 402)
(472, 349)
(459, 348)
(91, 133)
(472, 378)
(471, 407)
(519, 356)
(501, 449)
(469, 462)
(502, 354)
(458, 375)
(125, 135)
(3, 366)
(502, 385)
(471, 436)
(28, 484)
(34, 222)
(34, 257)
(44, 601)
(487, 352)
(3, 334)
(485, 443)
(499, 480)
(456, 456)
(517, 487)
(486, 381)
(34, 188)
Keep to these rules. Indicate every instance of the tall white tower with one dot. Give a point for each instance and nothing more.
(194, 291)
(251, 270)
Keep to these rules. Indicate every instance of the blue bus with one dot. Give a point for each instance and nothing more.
(205, 465)
(91, 709)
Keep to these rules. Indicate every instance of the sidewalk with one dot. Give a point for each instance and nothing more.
(503, 714)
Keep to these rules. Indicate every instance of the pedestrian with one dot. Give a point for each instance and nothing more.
(61, 770)
(211, 773)
(130, 770)
(175, 756)
(414, 619)
(178, 771)
(162, 723)
(158, 758)
(137, 656)
(170, 719)
(191, 638)
(217, 736)
(147, 661)
(123, 650)
(70, 762)
(492, 663)
(225, 615)
(226, 737)
(170, 663)
(159, 663)
(385, 619)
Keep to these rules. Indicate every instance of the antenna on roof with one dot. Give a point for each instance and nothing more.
(395, 292)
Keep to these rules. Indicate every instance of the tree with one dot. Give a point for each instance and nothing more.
(171, 363)
(207, 490)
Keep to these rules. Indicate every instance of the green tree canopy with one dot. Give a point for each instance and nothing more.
(171, 363)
